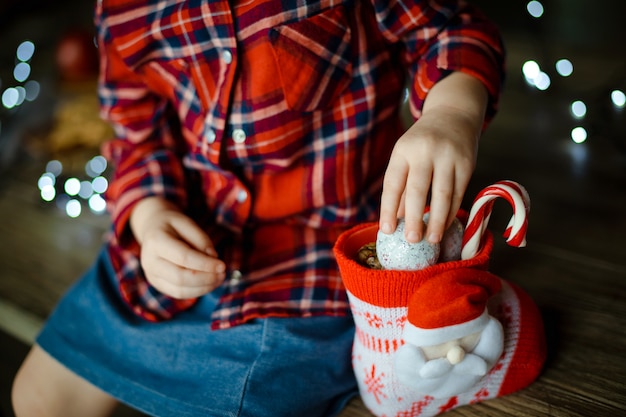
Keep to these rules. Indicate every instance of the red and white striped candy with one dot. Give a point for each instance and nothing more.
(480, 213)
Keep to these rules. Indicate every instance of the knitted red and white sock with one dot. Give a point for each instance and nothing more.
(379, 301)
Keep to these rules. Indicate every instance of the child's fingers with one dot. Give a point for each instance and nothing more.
(393, 189)
(180, 282)
(442, 191)
(180, 253)
(418, 185)
(191, 233)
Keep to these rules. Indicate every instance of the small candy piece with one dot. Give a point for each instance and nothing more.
(395, 252)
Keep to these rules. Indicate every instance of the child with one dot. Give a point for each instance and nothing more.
(249, 136)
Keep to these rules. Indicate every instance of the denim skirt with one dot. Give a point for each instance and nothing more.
(180, 367)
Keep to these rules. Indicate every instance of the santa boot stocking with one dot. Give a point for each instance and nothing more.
(408, 324)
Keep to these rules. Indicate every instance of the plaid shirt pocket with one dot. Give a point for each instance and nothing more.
(314, 59)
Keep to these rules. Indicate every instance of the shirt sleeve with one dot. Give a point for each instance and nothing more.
(145, 155)
(439, 37)
(144, 152)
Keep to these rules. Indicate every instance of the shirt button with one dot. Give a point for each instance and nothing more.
(211, 136)
(242, 196)
(227, 56)
(239, 136)
(235, 277)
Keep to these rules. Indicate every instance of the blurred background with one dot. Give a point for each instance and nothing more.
(566, 66)
(51, 175)
(561, 131)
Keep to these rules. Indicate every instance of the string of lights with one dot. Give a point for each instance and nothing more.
(70, 193)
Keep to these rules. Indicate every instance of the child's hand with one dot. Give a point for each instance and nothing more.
(437, 155)
(177, 256)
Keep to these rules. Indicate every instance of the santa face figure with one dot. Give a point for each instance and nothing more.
(453, 366)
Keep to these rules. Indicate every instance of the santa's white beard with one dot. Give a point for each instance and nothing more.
(439, 378)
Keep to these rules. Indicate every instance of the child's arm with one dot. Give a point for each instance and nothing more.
(437, 154)
(455, 58)
(149, 184)
(177, 256)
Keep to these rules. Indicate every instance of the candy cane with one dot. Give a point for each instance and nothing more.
(480, 213)
(526, 198)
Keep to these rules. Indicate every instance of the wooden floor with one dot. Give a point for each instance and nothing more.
(574, 266)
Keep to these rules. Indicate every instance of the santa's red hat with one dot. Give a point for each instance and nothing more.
(450, 306)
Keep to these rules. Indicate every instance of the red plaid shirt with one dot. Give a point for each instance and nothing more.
(271, 124)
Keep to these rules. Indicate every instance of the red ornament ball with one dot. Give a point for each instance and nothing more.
(77, 55)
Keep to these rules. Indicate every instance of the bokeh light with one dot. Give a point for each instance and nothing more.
(10, 97)
(32, 88)
(618, 98)
(96, 166)
(100, 184)
(14, 96)
(535, 9)
(531, 69)
(72, 186)
(54, 167)
(535, 76)
(542, 82)
(46, 180)
(68, 193)
(73, 208)
(86, 190)
(25, 51)
(578, 109)
(564, 67)
(48, 193)
(579, 134)
(97, 204)
(21, 72)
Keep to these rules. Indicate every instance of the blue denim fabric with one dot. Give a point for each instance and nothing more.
(270, 367)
